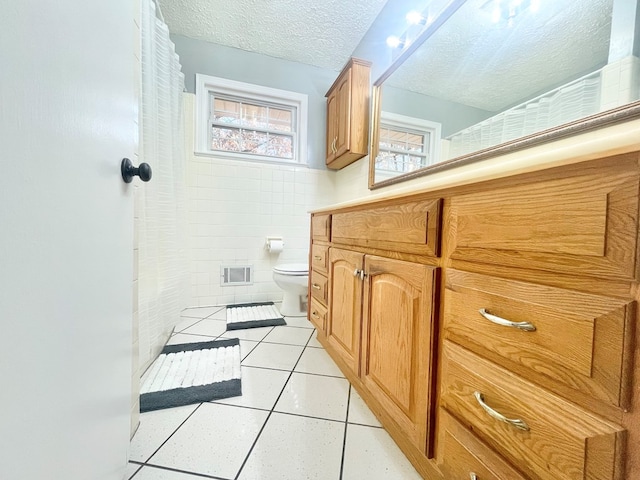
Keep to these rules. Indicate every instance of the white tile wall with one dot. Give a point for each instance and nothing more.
(620, 82)
(233, 206)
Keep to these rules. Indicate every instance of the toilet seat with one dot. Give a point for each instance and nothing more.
(293, 269)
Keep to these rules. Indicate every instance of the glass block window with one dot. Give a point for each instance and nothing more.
(262, 124)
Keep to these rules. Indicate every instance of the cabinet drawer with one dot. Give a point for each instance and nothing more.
(319, 287)
(584, 223)
(560, 441)
(318, 314)
(320, 258)
(461, 455)
(321, 227)
(411, 227)
(578, 341)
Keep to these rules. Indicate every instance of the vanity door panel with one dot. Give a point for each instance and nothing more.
(398, 343)
(345, 305)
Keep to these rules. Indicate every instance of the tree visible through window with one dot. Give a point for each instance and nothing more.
(402, 150)
(239, 126)
(405, 143)
(250, 121)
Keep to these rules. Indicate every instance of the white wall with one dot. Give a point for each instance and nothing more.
(233, 206)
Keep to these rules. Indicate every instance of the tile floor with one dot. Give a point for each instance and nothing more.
(298, 418)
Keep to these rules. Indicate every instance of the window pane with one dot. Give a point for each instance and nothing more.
(254, 116)
(281, 120)
(229, 139)
(226, 111)
(280, 146)
(254, 142)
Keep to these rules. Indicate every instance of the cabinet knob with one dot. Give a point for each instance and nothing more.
(473, 476)
(356, 273)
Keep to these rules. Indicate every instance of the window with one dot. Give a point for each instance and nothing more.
(252, 122)
(406, 143)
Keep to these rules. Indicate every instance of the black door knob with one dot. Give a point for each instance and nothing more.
(128, 171)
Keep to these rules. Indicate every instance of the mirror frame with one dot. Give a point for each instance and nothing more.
(585, 124)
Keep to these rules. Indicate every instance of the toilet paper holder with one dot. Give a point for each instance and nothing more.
(274, 244)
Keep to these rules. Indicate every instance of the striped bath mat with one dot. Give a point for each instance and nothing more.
(192, 373)
(253, 315)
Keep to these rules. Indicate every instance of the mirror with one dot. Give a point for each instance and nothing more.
(486, 77)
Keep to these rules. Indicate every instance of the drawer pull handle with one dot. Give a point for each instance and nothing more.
(516, 422)
(525, 326)
(317, 257)
(316, 286)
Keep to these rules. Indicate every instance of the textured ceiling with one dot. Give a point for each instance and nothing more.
(472, 61)
(321, 33)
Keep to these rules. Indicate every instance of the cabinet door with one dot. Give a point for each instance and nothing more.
(398, 343)
(345, 305)
(343, 91)
(332, 116)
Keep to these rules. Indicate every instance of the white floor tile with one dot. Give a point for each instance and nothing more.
(371, 453)
(313, 342)
(214, 441)
(253, 334)
(296, 448)
(246, 347)
(315, 396)
(273, 355)
(185, 323)
(260, 388)
(153, 473)
(359, 412)
(210, 328)
(300, 322)
(220, 314)
(130, 470)
(316, 360)
(288, 335)
(200, 312)
(155, 427)
(188, 338)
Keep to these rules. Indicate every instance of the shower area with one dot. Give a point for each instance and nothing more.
(159, 250)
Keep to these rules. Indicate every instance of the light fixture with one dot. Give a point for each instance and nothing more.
(507, 10)
(395, 42)
(415, 18)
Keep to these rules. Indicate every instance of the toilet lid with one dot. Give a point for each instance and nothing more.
(292, 269)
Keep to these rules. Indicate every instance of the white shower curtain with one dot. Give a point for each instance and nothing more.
(162, 264)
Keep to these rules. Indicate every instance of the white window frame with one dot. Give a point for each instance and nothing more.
(418, 125)
(205, 84)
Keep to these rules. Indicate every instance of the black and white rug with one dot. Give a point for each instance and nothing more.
(253, 315)
(192, 373)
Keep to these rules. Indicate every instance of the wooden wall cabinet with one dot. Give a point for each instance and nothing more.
(493, 327)
(348, 115)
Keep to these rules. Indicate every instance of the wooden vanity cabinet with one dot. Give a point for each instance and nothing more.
(348, 115)
(382, 311)
(493, 327)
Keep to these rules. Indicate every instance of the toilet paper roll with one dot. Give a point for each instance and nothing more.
(275, 246)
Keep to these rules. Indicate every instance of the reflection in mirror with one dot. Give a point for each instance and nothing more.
(495, 77)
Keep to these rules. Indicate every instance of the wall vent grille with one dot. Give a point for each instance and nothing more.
(236, 275)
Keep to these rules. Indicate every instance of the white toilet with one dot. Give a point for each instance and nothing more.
(293, 279)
